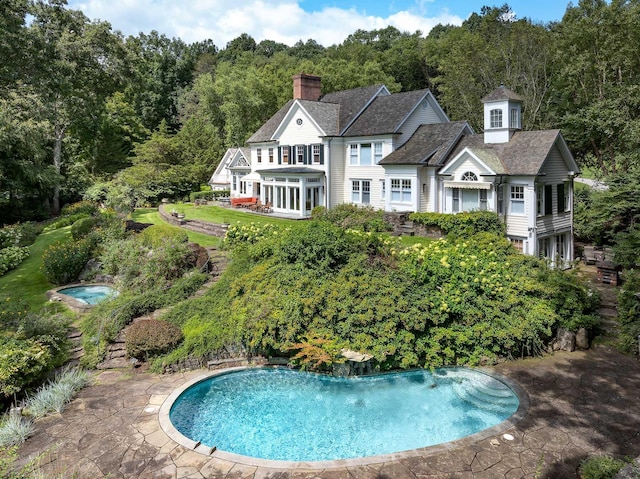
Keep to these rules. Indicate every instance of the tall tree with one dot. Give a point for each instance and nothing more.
(75, 72)
(13, 54)
(599, 82)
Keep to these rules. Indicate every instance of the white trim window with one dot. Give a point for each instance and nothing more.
(495, 117)
(377, 152)
(383, 189)
(300, 154)
(567, 195)
(270, 155)
(515, 119)
(516, 203)
(518, 243)
(315, 153)
(500, 199)
(361, 192)
(284, 151)
(353, 154)
(540, 200)
(466, 199)
(259, 155)
(400, 190)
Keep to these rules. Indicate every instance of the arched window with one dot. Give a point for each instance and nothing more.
(469, 176)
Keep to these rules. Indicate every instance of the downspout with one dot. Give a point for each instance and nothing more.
(327, 165)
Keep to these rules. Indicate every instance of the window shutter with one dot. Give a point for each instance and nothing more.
(280, 154)
(548, 199)
(321, 154)
(306, 154)
(560, 196)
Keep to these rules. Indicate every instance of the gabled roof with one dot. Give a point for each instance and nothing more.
(501, 93)
(429, 145)
(386, 113)
(523, 154)
(353, 102)
(326, 115)
(265, 132)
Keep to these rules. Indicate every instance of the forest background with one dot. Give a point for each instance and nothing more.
(130, 120)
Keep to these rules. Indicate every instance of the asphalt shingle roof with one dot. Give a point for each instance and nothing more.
(385, 114)
(428, 145)
(265, 132)
(351, 102)
(501, 93)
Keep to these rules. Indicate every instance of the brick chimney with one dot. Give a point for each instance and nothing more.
(306, 87)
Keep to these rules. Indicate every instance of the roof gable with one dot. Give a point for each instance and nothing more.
(323, 116)
(240, 159)
(484, 163)
(429, 145)
(386, 114)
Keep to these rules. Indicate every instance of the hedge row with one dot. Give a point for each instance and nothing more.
(462, 224)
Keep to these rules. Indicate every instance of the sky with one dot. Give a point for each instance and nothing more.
(328, 22)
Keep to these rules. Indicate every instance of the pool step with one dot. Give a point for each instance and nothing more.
(484, 397)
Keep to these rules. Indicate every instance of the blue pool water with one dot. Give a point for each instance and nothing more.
(281, 414)
(89, 294)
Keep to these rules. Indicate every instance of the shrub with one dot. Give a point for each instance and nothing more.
(349, 216)
(22, 361)
(11, 257)
(12, 312)
(150, 337)
(9, 236)
(62, 263)
(81, 207)
(55, 395)
(29, 231)
(14, 430)
(64, 221)
(157, 235)
(82, 227)
(462, 224)
(628, 307)
(600, 467)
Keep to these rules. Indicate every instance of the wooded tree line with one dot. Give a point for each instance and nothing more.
(86, 110)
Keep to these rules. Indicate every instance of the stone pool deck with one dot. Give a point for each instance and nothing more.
(582, 403)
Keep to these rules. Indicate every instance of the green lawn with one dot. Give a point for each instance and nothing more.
(27, 281)
(151, 215)
(218, 214)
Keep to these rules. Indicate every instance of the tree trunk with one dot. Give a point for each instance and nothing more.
(57, 164)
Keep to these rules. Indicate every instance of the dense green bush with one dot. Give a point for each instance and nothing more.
(462, 224)
(62, 263)
(65, 221)
(82, 227)
(150, 337)
(600, 467)
(350, 216)
(156, 236)
(9, 236)
(81, 207)
(21, 363)
(629, 312)
(453, 301)
(11, 257)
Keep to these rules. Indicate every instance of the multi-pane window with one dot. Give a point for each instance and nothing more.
(361, 191)
(515, 118)
(377, 152)
(517, 243)
(270, 155)
(455, 200)
(540, 200)
(401, 190)
(469, 176)
(496, 118)
(500, 199)
(300, 154)
(564, 197)
(383, 189)
(517, 200)
(315, 149)
(285, 155)
(560, 247)
(353, 154)
(234, 183)
(467, 199)
(259, 155)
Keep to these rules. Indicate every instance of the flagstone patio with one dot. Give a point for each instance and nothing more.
(582, 403)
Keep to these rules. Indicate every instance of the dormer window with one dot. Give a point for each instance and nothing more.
(496, 118)
(469, 176)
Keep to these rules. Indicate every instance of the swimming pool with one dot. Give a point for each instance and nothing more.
(89, 294)
(287, 415)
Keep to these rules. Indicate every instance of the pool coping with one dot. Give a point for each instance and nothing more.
(167, 426)
(73, 304)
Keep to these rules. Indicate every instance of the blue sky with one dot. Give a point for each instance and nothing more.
(328, 22)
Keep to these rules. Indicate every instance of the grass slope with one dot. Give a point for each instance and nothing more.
(27, 281)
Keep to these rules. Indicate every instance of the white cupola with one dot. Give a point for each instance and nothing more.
(502, 115)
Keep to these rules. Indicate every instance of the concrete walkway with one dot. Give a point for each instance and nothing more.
(582, 403)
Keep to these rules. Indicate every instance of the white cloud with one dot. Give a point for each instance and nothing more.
(283, 21)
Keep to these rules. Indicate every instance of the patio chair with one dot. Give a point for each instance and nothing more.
(267, 208)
